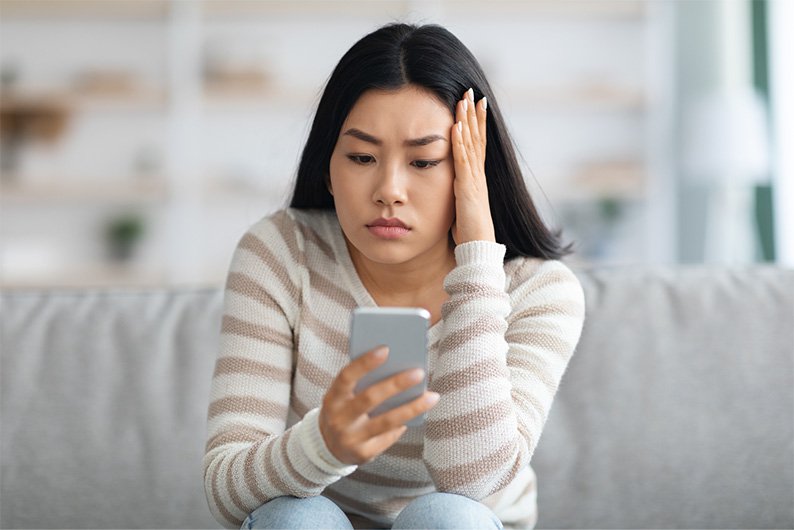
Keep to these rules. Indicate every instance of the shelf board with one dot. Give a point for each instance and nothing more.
(248, 8)
(219, 93)
(220, 194)
(577, 200)
(81, 9)
(160, 9)
(568, 8)
(591, 96)
(135, 99)
(105, 275)
(89, 275)
(623, 181)
(67, 99)
(86, 191)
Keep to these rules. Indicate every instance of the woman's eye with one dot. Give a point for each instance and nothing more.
(365, 160)
(358, 159)
(425, 164)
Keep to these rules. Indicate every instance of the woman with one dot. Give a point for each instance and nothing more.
(408, 193)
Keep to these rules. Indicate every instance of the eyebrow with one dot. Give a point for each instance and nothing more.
(365, 137)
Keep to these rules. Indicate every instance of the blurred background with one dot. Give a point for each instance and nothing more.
(141, 138)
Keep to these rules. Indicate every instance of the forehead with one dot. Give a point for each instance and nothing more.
(407, 111)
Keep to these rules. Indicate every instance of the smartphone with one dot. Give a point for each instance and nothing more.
(404, 331)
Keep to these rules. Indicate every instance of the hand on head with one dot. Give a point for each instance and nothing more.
(473, 220)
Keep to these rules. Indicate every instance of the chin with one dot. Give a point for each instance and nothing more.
(387, 256)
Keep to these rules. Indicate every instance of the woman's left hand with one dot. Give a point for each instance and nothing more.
(473, 220)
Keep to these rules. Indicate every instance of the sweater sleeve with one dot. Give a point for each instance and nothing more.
(250, 456)
(500, 361)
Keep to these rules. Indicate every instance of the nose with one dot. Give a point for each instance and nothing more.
(390, 188)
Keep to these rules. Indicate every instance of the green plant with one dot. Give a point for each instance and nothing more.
(122, 233)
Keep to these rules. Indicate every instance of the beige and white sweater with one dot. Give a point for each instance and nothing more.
(496, 357)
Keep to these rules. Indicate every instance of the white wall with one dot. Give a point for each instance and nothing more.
(780, 17)
(574, 85)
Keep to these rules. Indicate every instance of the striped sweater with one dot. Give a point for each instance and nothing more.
(496, 357)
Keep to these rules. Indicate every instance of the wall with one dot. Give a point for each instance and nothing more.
(201, 161)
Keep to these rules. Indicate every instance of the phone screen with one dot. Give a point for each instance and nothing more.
(404, 331)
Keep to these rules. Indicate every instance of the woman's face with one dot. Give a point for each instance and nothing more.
(393, 165)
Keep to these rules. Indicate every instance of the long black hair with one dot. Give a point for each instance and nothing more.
(429, 56)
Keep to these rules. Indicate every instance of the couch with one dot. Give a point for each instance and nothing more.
(677, 410)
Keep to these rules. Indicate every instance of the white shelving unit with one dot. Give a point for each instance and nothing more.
(589, 117)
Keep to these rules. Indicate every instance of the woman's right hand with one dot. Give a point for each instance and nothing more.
(351, 435)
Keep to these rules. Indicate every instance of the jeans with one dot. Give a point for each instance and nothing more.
(434, 510)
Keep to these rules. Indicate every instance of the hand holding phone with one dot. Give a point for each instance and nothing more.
(351, 429)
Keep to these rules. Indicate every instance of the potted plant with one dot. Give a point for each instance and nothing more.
(122, 234)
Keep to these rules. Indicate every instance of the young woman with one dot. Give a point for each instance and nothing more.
(408, 193)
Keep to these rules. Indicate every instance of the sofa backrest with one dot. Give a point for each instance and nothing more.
(104, 403)
(676, 410)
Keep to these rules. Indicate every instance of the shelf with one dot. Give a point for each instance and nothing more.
(248, 8)
(135, 100)
(102, 275)
(151, 191)
(568, 8)
(80, 9)
(74, 99)
(89, 275)
(241, 93)
(581, 200)
(593, 182)
(160, 9)
(219, 191)
(584, 95)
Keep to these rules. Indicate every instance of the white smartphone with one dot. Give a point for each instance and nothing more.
(404, 331)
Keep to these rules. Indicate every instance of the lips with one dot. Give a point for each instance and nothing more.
(388, 228)
(388, 222)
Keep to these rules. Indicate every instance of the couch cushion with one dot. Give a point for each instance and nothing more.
(677, 410)
(104, 400)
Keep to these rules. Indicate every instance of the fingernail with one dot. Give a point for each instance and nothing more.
(465, 105)
(484, 103)
(460, 126)
(470, 92)
(432, 398)
(416, 375)
(380, 352)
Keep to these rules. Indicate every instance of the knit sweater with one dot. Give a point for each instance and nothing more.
(496, 357)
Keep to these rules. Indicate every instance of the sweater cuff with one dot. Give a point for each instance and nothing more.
(314, 446)
(480, 252)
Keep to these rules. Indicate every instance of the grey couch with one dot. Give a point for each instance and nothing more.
(677, 409)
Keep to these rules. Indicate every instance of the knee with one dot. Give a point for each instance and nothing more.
(447, 510)
(438, 499)
(286, 511)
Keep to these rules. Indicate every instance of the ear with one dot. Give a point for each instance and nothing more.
(328, 184)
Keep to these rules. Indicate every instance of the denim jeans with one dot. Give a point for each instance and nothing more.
(434, 510)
